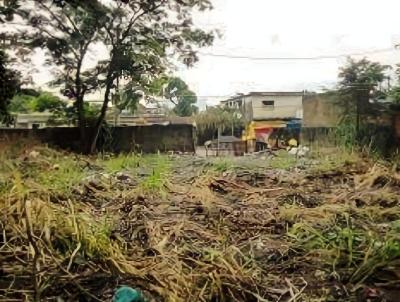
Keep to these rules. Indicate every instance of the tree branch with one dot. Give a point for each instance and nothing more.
(173, 102)
(73, 24)
(135, 18)
(60, 22)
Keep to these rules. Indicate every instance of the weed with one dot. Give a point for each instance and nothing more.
(155, 183)
(283, 161)
(354, 252)
(121, 162)
(328, 159)
(222, 164)
(61, 176)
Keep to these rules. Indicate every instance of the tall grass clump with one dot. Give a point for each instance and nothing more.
(371, 139)
(156, 181)
(354, 252)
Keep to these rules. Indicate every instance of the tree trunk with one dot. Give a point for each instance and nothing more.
(80, 106)
(81, 124)
(101, 118)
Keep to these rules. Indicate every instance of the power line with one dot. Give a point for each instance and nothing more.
(321, 57)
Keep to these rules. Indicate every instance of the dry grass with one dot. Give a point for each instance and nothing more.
(184, 229)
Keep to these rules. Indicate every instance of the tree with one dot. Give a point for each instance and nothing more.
(182, 97)
(67, 29)
(44, 101)
(218, 118)
(22, 103)
(49, 102)
(394, 92)
(139, 35)
(359, 83)
(9, 84)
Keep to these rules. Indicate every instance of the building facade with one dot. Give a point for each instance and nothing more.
(262, 106)
(36, 120)
(270, 117)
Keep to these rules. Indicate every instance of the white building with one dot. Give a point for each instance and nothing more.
(261, 106)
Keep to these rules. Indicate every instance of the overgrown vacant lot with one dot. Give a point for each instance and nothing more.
(184, 228)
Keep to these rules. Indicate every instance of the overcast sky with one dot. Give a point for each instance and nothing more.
(289, 28)
(284, 28)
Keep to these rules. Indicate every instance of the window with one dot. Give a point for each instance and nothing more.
(268, 104)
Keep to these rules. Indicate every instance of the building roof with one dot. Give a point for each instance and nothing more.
(265, 93)
(181, 120)
(132, 120)
(33, 117)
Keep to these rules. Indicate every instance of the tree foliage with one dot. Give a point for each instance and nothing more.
(182, 97)
(49, 102)
(223, 118)
(67, 30)
(22, 103)
(360, 88)
(394, 92)
(9, 85)
(139, 37)
(359, 82)
(43, 102)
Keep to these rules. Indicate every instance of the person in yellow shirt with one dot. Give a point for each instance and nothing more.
(293, 143)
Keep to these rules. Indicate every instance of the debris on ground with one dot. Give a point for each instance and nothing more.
(183, 228)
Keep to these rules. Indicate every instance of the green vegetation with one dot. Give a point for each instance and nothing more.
(223, 164)
(346, 243)
(361, 86)
(151, 171)
(238, 226)
(138, 37)
(22, 103)
(41, 102)
(328, 159)
(319, 160)
(9, 84)
(61, 174)
(158, 179)
(57, 174)
(122, 162)
(394, 93)
(225, 119)
(178, 92)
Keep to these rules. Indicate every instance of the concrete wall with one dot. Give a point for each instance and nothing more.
(321, 110)
(285, 106)
(149, 139)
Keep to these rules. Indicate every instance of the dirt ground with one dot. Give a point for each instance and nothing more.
(188, 228)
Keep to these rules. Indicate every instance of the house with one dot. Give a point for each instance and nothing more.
(36, 120)
(144, 114)
(270, 117)
(261, 106)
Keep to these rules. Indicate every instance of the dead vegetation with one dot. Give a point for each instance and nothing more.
(190, 229)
